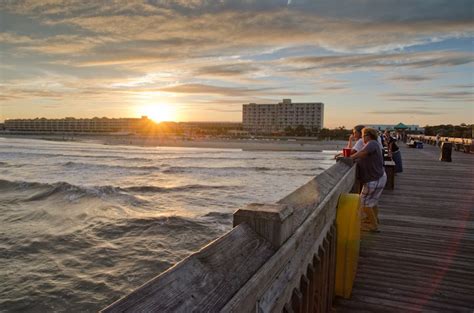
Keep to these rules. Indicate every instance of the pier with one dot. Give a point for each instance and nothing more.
(281, 257)
(423, 258)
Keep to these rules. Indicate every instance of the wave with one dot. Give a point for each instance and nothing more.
(319, 168)
(204, 157)
(94, 165)
(42, 191)
(186, 169)
(315, 158)
(62, 155)
(222, 217)
(6, 164)
(173, 189)
(184, 229)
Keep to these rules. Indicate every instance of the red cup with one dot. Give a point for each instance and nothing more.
(346, 152)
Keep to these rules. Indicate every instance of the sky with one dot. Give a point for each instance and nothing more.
(368, 61)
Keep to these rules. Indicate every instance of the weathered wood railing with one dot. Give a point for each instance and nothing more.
(278, 258)
(467, 144)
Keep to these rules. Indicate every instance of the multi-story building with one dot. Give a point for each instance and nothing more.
(275, 118)
(69, 124)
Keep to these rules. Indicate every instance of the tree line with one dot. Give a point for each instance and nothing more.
(459, 131)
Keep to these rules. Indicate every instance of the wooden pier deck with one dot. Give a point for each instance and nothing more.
(423, 258)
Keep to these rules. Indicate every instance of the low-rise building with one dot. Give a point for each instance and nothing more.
(83, 125)
(392, 127)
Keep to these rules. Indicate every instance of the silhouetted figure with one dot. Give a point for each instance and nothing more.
(446, 148)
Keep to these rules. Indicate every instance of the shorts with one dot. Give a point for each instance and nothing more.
(371, 191)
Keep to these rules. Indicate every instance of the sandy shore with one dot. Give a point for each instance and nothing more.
(244, 144)
(215, 143)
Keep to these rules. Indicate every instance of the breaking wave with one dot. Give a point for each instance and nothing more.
(42, 191)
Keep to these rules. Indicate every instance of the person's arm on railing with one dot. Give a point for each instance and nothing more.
(360, 154)
(349, 145)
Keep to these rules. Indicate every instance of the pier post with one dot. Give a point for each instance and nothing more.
(273, 222)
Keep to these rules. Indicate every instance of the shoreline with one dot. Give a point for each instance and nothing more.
(214, 143)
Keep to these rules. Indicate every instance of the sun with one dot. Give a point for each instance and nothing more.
(159, 112)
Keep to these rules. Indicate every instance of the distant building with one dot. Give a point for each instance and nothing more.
(391, 127)
(211, 125)
(210, 128)
(275, 118)
(70, 124)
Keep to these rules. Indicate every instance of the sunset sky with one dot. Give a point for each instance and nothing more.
(369, 61)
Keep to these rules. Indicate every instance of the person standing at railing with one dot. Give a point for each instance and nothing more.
(394, 152)
(372, 175)
(356, 137)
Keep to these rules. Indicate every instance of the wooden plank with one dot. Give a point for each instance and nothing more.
(304, 288)
(317, 282)
(205, 280)
(297, 301)
(311, 274)
(320, 280)
(332, 265)
(273, 222)
(325, 258)
(287, 308)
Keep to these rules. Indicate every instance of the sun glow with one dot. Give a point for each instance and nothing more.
(159, 112)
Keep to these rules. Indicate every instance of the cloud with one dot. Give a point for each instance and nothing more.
(407, 112)
(9, 94)
(205, 26)
(15, 39)
(5, 97)
(376, 61)
(277, 47)
(410, 78)
(456, 96)
(208, 89)
(235, 69)
(334, 89)
(469, 87)
(376, 9)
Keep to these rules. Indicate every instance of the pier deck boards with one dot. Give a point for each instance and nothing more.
(423, 258)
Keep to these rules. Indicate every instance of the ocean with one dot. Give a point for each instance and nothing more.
(82, 224)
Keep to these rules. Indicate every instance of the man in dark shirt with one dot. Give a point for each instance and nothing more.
(372, 175)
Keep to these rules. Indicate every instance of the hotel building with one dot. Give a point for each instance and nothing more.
(274, 118)
(69, 124)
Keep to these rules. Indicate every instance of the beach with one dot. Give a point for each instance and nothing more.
(273, 144)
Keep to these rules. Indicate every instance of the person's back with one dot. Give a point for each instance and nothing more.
(371, 167)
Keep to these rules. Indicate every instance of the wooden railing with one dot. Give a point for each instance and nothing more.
(432, 139)
(278, 258)
(460, 144)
